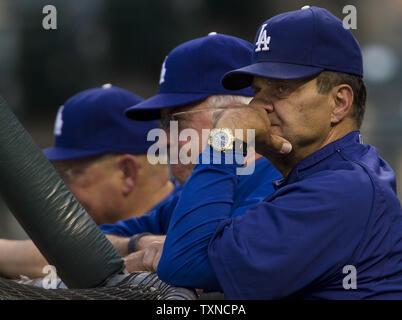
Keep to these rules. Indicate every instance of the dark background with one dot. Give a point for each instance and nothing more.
(124, 42)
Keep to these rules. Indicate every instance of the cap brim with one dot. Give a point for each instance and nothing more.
(149, 109)
(243, 77)
(58, 154)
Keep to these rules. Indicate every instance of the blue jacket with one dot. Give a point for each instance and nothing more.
(337, 208)
(251, 189)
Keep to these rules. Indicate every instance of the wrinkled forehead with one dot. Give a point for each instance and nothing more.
(66, 164)
(82, 163)
(69, 170)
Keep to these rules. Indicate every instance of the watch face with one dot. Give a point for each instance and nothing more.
(221, 140)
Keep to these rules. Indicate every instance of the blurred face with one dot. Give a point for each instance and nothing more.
(295, 109)
(197, 117)
(96, 185)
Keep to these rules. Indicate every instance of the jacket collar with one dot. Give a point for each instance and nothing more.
(352, 137)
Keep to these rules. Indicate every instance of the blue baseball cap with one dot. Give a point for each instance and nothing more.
(299, 44)
(92, 122)
(193, 71)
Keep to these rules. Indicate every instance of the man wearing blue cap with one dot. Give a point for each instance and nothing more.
(190, 91)
(331, 230)
(101, 156)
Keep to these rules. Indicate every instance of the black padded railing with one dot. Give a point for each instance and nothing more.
(136, 286)
(56, 222)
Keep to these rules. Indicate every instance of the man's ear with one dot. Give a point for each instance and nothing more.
(129, 167)
(343, 101)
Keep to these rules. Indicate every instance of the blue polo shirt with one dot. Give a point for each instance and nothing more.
(251, 190)
(336, 210)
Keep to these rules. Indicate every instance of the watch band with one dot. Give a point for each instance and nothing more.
(132, 244)
(240, 145)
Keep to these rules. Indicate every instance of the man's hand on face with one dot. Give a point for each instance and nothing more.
(252, 117)
(146, 259)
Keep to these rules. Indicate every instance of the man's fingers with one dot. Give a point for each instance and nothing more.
(157, 258)
(145, 260)
(146, 241)
(226, 117)
(253, 117)
(152, 256)
(149, 258)
(273, 144)
(134, 261)
(280, 144)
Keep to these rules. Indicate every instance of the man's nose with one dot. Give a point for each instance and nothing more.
(264, 103)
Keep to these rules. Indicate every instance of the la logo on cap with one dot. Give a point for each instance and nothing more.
(58, 125)
(263, 40)
(107, 86)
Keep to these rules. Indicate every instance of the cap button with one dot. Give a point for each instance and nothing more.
(107, 86)
(212, 33)
(305, 7)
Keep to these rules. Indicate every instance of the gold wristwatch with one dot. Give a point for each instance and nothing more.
(222, 139)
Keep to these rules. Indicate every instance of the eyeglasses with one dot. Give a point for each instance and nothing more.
(165, 121)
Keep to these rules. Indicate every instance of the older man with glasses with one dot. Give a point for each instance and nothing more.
(190, 94)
